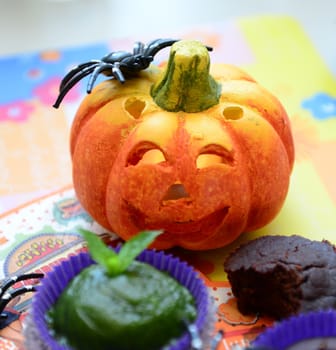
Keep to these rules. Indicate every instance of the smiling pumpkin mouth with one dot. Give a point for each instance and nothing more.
(202, 227)
(178, 197)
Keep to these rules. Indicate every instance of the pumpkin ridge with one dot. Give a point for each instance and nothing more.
(225, 72)
(85, 113)
(265, 104)
(103, 94)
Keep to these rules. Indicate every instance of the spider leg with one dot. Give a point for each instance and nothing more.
(71, 83)
(153, 47)
(7, 297)
(117, 73)
(74, 71)
(138, 48)
(99, 69)
(14, 279)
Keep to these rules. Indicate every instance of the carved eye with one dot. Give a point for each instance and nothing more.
(214, 154)
(233, 112)
(134, 107)
(146, 153)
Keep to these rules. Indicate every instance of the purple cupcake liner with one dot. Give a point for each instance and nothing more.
(298, 328)
(38, 335)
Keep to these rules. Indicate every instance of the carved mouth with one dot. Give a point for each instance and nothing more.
(206, 224)
(199, 229)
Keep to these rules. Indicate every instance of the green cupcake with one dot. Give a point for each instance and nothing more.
(121, 304)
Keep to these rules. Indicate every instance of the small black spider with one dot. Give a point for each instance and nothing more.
(6, 317)
(118, 65)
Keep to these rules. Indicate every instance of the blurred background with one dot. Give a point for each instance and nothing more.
(29, 25)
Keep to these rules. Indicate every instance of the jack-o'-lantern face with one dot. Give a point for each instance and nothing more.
(185, 178)
(204, 177)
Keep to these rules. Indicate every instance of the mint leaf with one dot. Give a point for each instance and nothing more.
(132, 248)
(117, 263)
(113, 265)
(99, 252)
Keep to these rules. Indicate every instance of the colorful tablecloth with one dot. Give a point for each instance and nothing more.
(35, 160)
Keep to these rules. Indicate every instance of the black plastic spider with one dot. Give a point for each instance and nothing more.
(118, 65)
(7, 317)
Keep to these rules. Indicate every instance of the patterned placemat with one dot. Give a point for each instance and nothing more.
(39, 236)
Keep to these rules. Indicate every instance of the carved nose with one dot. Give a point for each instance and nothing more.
(176, 191)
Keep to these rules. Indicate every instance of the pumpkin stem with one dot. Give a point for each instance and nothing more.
(186, 84)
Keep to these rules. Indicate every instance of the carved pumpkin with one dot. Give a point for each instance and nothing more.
(204, 157)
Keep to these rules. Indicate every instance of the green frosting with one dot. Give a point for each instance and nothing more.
(141, 308)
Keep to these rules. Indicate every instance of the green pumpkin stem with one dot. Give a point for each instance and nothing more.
(187, 85)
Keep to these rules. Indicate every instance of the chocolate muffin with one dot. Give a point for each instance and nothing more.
(279, 276)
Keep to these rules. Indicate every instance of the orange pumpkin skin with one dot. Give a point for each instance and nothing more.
(203, 177)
